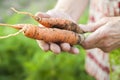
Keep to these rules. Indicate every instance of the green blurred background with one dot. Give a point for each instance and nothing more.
(22, 59)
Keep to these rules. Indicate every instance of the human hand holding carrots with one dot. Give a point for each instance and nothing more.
(105, 34)
(68, 31)
(54, 47)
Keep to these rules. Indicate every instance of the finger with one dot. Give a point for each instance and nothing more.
(43, 15)
(98, 24)
(55, 48)
(114, 47)
(92, 40)
(74, 50)
(85, 28)
(43, 45)
(59, 14)
(65, 46)
(111, 47)
(94, 26)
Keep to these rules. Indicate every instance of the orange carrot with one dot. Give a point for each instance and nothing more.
(49, 34)
(55, 22)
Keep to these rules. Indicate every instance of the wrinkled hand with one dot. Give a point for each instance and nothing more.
(56, 48)
(105, 34)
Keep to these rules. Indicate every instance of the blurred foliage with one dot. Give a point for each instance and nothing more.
(22, 59)
(115, 64)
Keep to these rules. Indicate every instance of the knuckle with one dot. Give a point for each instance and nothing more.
(103, 34)
(106, 45)
(93, 28)
(55, 48)
(107, 50)
(86, 45)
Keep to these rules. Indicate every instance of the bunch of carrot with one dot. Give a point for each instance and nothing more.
(56, 30)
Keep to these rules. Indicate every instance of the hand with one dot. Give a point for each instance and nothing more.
(106, 34)
(56, 48)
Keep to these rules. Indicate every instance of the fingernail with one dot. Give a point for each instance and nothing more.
(43, 45)
(65, 47)
(74, 50)
(46, 47)
(55, 48)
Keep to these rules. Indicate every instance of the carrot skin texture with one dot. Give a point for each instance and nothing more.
(52, 35)
(54, 22)
(48, 34)
(59, 23)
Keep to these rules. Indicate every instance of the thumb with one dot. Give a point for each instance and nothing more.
(43, 15)
(91, 27)
(93, 39)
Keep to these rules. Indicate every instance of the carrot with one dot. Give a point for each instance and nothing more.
(55, 22)
(49, 34)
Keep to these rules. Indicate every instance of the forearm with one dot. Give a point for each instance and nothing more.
(74, 8)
